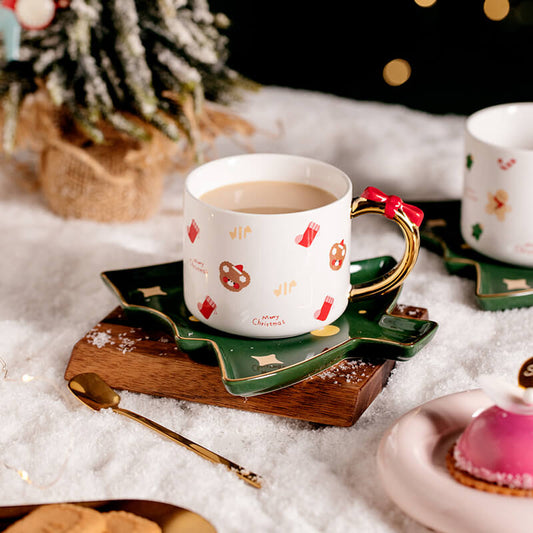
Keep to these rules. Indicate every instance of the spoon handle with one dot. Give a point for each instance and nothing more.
(243, 473)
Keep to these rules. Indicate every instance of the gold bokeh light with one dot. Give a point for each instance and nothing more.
(425, 3)
(496, 9)
(396, 72)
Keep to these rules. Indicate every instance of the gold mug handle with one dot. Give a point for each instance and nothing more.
(409, 218)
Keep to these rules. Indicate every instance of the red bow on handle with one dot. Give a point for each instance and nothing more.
(393, 203)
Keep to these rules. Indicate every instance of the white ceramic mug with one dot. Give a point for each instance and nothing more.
(291, 270)
(498, 179)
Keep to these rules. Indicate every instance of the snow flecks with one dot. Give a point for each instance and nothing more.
(350, 371)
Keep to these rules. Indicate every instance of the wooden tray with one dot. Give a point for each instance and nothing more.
(148, 361)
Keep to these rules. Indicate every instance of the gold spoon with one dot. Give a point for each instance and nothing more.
(94, 392)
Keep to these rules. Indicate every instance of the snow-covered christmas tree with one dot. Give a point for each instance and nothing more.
(102, 58)
(135, 66)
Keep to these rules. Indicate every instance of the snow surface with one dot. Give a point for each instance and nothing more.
(317, 479)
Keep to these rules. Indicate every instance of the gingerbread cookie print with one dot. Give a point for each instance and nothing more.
(233, 277)
(337, 255)
(498, 204)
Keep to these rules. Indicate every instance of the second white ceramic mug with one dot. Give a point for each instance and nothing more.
(280, 275)
(498, 183)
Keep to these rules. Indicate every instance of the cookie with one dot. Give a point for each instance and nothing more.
(470, 481)
(124, 522)
(60, 518)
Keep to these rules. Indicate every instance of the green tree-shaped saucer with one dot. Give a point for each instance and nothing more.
(255, 366)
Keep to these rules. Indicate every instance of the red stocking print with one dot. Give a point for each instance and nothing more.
(323, 312)
(309, 235)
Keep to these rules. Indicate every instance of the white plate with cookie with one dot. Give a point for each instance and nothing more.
(412, 467)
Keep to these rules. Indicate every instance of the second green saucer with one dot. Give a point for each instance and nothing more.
(498, 285)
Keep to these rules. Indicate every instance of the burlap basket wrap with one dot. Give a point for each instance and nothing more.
(112, 182)
(120, 180)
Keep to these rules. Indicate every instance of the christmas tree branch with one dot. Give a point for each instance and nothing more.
(127, 63)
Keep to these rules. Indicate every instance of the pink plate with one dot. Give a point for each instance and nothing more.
(411, 464)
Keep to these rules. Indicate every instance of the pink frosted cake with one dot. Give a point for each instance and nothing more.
(495, 451)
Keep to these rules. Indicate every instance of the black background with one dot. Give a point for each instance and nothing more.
(461, 61)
